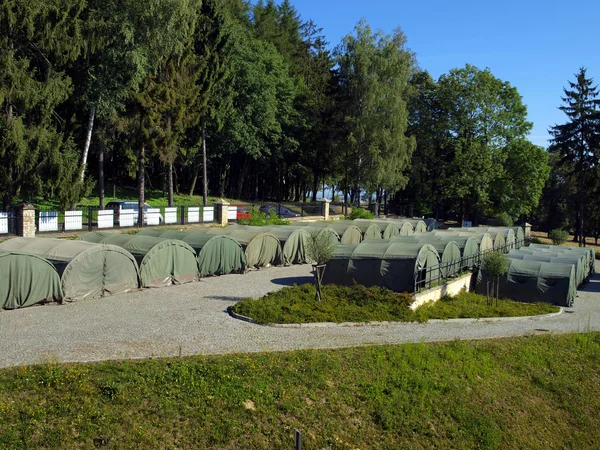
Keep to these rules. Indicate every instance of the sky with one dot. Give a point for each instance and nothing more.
(537, 46)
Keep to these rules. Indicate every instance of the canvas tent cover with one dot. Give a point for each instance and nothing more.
(580, 263)
(393, 265)
(388, 229)
(162, 262)
(449, 251)
(533, 281)
(581, 250)
(87, 270)
(26, 280)
(216, 254)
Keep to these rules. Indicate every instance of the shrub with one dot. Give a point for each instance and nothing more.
(535, 240)
(559, 236)
(260, 219)
(503, 220)
(360, 213)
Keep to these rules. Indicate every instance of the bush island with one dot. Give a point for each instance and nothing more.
(358, 303)
(258, 218)
(559, 236)
(503, 220)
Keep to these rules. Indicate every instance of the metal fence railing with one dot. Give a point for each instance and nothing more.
(91, 217)
(432, 276)
(8, 223)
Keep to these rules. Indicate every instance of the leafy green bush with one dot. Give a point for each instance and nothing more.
(535, 240)
(558, 236)
(360, 213)
(258, 218)
(503, 220)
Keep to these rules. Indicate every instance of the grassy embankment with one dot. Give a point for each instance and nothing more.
(535, 392)
(360, 304)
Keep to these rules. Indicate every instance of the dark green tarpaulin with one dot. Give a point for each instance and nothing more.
(589, 252)
(519, 235)
(87, 270)
(162, 262)
(484, 240)
(216, 254)
(469, 248)
(449, 251)
(379, 263)
(532, 281)
(27, 279)
(556, 253)
(418, 225)
(388, 229)
(508, 239)
(368, 228)
(578, 263)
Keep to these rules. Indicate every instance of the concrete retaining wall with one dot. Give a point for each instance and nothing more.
(452, 287)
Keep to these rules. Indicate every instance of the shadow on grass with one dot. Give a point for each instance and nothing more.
(291, 281)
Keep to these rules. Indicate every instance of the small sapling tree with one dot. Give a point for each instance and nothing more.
(495, 264)
(320, 248)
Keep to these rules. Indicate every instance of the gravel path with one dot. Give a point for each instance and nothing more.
(190, 319)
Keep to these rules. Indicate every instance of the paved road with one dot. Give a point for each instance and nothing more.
(191, 319)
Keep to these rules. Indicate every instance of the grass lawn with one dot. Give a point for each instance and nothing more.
(536, 393)
(357, 303)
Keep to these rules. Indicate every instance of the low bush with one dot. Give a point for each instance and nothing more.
(258, 218)
(535, 240)
(503, 220)
(358, 303)
(360, 213)
(558, 236)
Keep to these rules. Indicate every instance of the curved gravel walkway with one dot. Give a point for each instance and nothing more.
(191, 319)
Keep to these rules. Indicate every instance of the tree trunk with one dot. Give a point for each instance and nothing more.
(141, 183)
(88, 141)
(170, 182)
(204, 181)
(581, 237)
(101, 174)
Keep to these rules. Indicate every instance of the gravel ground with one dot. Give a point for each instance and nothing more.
(191, 319)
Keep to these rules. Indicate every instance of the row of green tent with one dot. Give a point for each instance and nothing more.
(404, 263)
(543, 273)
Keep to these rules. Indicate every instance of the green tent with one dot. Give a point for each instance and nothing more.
(557, 253)
(533, 281)
(396, 265)
(418, 225)
(484, 240)
(162, 262)
(588, 251)
(578, 263)
(87, 270)
(498, 237)
(262, 248)
(432, 224)
(388, 229)
(469, 248)
(449, 251)
(26, 280)
(406, 229)
(216, 254)
(368, 228)
(519, 235)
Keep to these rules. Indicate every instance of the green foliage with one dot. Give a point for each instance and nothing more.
(320, 247)
(558, 236)
(536, 240)
(260, 219)
(375, 117)
(361, 304)
(360, 213)
(495, 264)
(503, 220)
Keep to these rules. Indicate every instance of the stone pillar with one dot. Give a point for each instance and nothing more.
(221, 212)
(25, 220)
(527, 229)
(325, 208)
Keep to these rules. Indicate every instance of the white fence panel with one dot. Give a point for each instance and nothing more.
(153, 216)
(193, 214)
(106, 219)
(48, 221)
(171, 215)
(231, 212)
(127, 217)
(3, 223)
(208, 214)
(73, 220)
